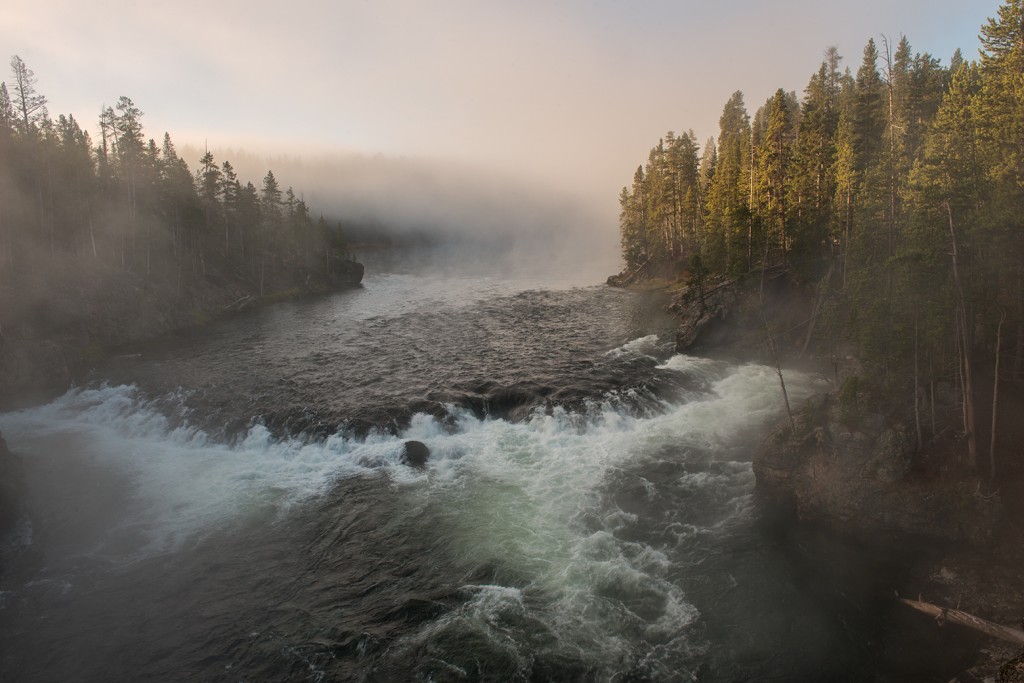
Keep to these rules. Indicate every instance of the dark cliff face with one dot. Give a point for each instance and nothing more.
(734, 316)
(862, 481)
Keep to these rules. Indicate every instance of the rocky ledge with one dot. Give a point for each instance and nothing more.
(867, 481)
(859, 474)
(863, 480)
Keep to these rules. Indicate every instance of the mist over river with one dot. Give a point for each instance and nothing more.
(230, 505)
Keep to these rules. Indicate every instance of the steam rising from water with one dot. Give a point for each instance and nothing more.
(435, 202)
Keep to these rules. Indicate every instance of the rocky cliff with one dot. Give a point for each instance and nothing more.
(863, 479)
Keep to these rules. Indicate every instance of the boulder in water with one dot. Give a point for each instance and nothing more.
(415, 454)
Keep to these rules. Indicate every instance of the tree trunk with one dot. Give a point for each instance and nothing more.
(782, 380)
(995, 395)
(917, 385)
(849, 234)
(931, 384)
(943, 615)
(1019, 355)
(750, 212)
(969, 414)
(92, 239)
(960, 370)
(890, 87)
(771, 346)
(819, 299)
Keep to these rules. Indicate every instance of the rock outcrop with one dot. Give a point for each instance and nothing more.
(860, 480)
(729, 316)
(415, 454)
(708, 322)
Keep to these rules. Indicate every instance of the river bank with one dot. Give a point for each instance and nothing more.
(853, 468)
(58, 322)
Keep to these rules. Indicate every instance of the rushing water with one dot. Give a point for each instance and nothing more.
(231, 505)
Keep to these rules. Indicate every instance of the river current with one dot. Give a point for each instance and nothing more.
(230, 505)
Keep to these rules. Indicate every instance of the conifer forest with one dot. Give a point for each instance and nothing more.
(894, 189)
(125, 203)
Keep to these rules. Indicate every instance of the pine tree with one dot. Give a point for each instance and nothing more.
(633, 222)
(729, 247)
(228, 191)
(208, 178)
(772, 181)
(947, 187)
(813, 177)
(868, 110)
(178, 199)
(29, 106)
(708, 164)
(1000, 116)
(7, 120)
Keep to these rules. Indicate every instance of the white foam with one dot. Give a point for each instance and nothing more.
(704, 368)
(650, 346)
(510, 493)
(181, 481)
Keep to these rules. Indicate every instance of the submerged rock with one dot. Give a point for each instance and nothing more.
(415, 454)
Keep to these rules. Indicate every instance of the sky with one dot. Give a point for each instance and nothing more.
(564, 95)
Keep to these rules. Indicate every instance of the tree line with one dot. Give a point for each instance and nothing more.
(122, 202)
(896, 191)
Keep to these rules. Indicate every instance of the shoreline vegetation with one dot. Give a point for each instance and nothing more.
(110, 242)
(871, 230)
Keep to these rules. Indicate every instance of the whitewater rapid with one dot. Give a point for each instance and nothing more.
(534, 501)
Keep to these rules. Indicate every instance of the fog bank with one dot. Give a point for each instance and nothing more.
(407, 200)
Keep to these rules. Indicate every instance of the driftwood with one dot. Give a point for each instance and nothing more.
(955, 616)
(239, 304)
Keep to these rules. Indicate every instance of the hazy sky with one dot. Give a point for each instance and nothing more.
(569, 94)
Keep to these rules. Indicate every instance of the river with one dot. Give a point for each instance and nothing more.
(230, 504)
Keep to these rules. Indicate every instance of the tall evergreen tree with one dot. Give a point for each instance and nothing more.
(730, 243)
(772, 181)
(7, 120)
(29, 105)
(1000, 116)
(814, 175)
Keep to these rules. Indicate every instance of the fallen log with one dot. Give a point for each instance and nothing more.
(238, 304)
(944, 614)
